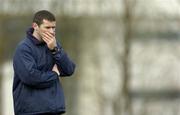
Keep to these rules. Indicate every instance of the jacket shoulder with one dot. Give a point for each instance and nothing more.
(22, 47)
(24, 44)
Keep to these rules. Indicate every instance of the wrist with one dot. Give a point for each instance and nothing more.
(54, 50)
(56, 72)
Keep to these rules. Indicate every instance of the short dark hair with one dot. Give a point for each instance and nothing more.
(41, 15)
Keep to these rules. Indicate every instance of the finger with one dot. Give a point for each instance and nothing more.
(51, 36)
(46, 37)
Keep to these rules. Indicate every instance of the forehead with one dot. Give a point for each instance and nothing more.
(48, 23)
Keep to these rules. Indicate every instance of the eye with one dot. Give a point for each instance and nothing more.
(50, 28)
(47, 27)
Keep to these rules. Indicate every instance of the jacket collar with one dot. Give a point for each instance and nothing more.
(29, 33)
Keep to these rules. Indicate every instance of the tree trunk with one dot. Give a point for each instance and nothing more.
(126, 100)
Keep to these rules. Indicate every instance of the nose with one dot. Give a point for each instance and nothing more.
(52, 30)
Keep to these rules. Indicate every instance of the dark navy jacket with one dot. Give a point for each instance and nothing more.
(36, 88)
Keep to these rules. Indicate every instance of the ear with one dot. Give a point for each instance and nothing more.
(35, 26)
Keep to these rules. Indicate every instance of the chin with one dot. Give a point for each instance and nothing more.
(41, 40)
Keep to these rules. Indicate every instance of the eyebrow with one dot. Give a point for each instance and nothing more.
(50, 26)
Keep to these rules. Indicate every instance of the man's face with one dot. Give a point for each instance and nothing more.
(46, 26)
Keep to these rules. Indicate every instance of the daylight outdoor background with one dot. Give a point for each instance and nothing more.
(127, 53)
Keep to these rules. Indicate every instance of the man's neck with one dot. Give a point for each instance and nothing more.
(36, 35)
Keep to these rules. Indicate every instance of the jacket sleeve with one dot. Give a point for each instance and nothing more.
(26, 69)
(64, 63)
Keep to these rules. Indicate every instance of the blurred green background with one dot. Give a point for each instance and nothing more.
(127, 53)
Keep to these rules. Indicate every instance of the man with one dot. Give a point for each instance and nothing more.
(38, 63)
